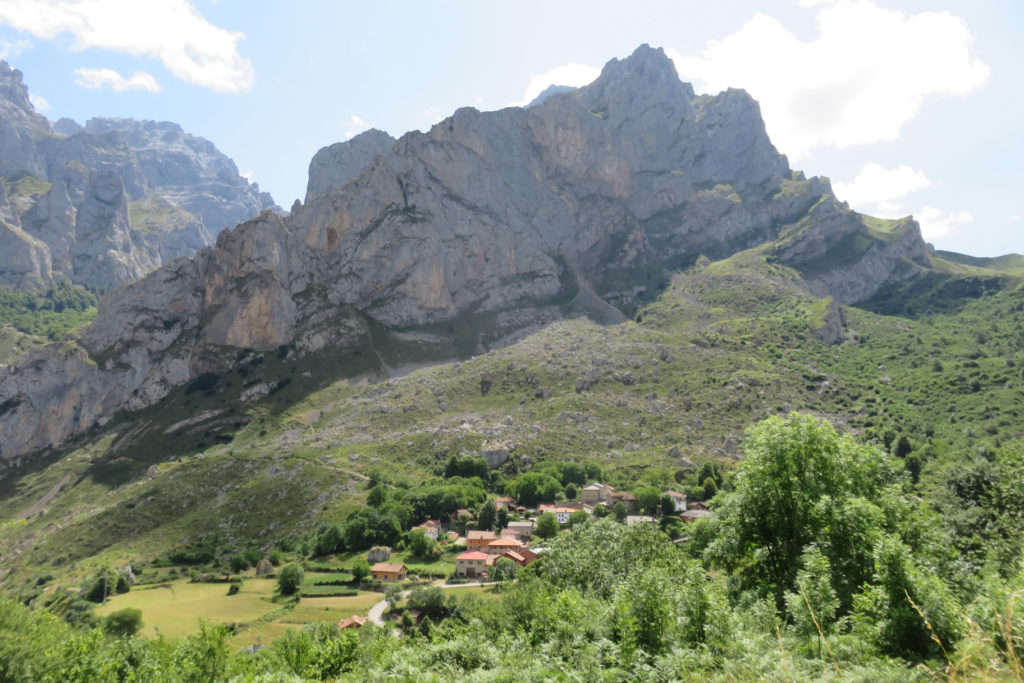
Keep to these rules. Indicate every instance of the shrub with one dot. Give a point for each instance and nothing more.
(123, 622)
(290, 579)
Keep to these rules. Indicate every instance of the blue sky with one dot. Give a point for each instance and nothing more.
(909, 107)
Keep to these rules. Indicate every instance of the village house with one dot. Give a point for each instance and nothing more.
(694, 513)
(354, 621)
(503, 544)
(383, 571)
(522, 530)
(504, 502)
(478, 539)
(471, 564)
(379, 553)
(596, 493)
(678, 499)
(431, 528)
(627, 499)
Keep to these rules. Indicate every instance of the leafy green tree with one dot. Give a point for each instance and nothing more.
(534, 487)
(668, 505)
(620, 512)
(505, 569)
(546, 526)
(102, 585)
(572, 492)
(486, 515)
(795, 479)
(709, 488)
(600, 511)
(377, 495)
(238, 564)
(360, 569)
(290, 578)
(502, 517)
(814, 604)
(123, 622)
(648, 499)
(421, 546)
(578, 518)
(329, 541)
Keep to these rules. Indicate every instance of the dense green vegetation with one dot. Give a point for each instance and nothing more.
(51, 314)
(825, 565)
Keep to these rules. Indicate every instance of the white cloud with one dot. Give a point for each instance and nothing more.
(572, 74)
(878, 191)
(354, 126)
(865, 75)
(172, 31)
(39, 102)
(936, 224)
(108, 78)
(249, 175)
(9, 50)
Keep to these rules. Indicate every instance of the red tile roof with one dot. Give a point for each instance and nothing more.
(473, 555)
(389, 568)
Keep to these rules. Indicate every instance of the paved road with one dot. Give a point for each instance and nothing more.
(376, 613)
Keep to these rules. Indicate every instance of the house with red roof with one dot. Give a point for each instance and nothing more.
(471, 564)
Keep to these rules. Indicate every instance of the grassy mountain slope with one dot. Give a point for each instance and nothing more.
(723, 346)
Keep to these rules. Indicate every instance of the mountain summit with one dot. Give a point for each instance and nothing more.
(445, 243)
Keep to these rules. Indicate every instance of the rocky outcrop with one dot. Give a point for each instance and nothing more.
(334, 166)
(444, 242)
(21, 128)
(119, 197)
(839, 255)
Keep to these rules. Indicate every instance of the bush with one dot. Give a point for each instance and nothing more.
(290, 579)
(123, 622)
(234, 587)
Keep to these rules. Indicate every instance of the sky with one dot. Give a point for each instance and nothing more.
(910, 107)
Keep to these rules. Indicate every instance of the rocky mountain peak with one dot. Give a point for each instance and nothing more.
(645, 78)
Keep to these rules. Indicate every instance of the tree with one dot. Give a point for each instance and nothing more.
(329, 541)
(799, 480)
(546, 526)
(668, 505)
(505, 569)
(502, 517)
(123, 622)
(102, 586)
(290, 578)
(377, 495)
(577, 518)
(710, 488)
(421, 546)
(648, 499)
(360, 569)
(486, 515)
(620, 512)
(572, 492)
(600, 510)
(238, 564)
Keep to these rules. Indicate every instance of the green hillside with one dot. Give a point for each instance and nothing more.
(931, 372)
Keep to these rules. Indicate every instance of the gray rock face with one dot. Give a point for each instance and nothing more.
(447, 241)
(176, 192)
(21, 128)
(333, 167)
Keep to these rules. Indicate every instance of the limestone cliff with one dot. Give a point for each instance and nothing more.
(110, 201)
(447, 241)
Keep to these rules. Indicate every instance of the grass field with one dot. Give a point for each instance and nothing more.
(175, 611)
(308, 611)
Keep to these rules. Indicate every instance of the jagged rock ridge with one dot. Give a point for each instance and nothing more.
(110, 201)
(446, 242)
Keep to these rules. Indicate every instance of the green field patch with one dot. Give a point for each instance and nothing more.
(175, 611)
